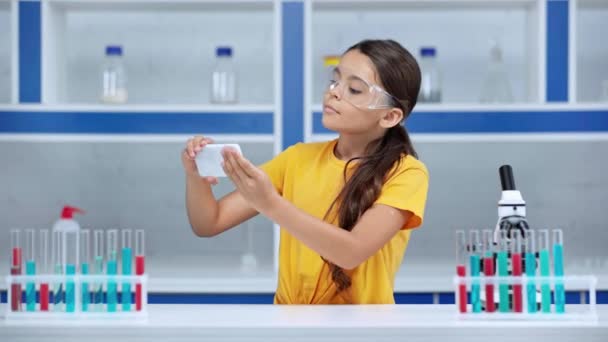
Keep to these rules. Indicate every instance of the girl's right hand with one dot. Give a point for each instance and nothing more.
(194, 146)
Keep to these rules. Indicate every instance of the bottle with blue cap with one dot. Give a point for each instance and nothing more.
(114, 79)
(430, 87)
(223, 77)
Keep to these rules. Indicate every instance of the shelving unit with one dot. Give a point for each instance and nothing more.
(168, 47)
(7, 51)
(589, 60)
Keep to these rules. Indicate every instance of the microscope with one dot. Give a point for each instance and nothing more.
(511, 207)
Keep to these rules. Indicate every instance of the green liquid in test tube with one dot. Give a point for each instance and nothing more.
(112, 270)
(98, 253)
(30, 269)
(503, 271)
(545, 287)
(85, 257)
(530, 264)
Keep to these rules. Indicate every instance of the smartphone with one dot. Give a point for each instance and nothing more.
(209, 159)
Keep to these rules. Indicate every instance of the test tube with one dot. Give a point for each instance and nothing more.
(112, 253)
(461, 260)
(530, 265)
(558, 270)
(44, 267)
(488, 268)
(98, 252)
(30, 269)
(71, 254)
(16, 261)
(85, 257)
(57, 260)
(503, 271)
(140, 266)
(127, 262)
(516, 266)
(545, 287)
(475, 261)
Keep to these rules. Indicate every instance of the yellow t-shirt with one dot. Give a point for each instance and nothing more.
(310, 176)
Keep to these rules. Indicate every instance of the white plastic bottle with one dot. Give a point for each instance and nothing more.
(496, 87)
(223, 78)
(114, 77)
(70, 230)
(430, 87)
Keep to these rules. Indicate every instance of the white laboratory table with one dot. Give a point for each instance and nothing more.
(304, 323)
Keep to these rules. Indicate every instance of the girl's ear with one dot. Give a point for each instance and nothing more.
(391, 118)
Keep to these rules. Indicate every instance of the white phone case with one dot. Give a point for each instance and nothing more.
(209, 159)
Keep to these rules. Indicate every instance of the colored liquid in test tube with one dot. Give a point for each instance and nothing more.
(488, 268)
(30, 269)
(71, 254)
(85, 257)
(57, 262)
(44, 266)
(516, 266)
(127, 262)
(461, 260)
(140, 267)
(474, 258)
(112, 253)
(503, 271)
(530, 266)
(16, 261)
(98, 253)
(545, 287)
(558, 270)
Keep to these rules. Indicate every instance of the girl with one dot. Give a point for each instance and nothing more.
(346, 207)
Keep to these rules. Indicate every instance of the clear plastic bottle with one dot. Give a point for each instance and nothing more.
(430, 87)
(496, 87)
(223, 78)
(114, 77)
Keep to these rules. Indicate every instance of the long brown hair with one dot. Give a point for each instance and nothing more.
(400, 75)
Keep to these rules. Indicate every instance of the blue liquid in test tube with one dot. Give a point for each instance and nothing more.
(30, 269)
(545, 287)
(70, 287)
(127, 261)
(558, 270)
(85, 245)
(475, 246)
(531, 270)
(112, 269)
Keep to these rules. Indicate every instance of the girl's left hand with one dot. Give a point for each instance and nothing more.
(250, 181)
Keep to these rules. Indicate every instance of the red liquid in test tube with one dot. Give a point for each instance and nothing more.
(140, 262)
(516, 265)
(139, 270)
(488, 268)
(461, 260)
(488, 271)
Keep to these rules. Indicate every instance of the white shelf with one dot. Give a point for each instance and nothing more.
(169, 48)
(7, 52)
(589, 59)
(462, 39)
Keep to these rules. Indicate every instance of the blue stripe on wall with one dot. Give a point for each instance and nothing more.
(499, 122)
(557, 50)
(135, 123)
(29, 51)
(293, 72)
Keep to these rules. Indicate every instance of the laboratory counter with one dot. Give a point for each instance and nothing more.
(303, 323)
